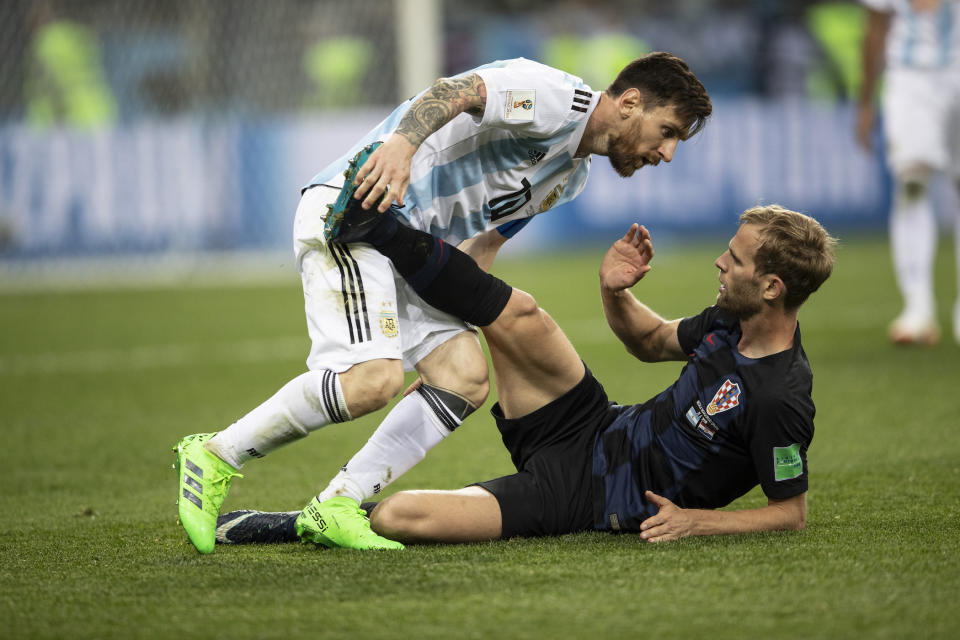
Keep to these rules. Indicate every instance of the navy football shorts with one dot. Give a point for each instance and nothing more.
(552, 448)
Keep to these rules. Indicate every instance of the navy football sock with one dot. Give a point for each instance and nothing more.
(444, 276)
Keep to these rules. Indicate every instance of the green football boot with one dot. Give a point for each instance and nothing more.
(204, 482)
(335, 212)
(339, 522)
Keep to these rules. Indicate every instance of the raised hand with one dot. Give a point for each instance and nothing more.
(628, 260)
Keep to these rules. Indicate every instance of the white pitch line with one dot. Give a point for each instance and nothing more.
(156, 356)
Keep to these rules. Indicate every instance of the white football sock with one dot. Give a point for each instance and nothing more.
(913, 239)
(306, 403)
(416, 424)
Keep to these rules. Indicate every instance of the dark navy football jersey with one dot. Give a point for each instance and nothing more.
(726, 425)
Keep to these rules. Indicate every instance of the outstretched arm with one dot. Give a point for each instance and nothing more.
(644, 333)
(878, 23)
(672, 522)
(386, 174)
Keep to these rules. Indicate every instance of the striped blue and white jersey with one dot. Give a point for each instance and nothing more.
(476, 174)
(923, 34)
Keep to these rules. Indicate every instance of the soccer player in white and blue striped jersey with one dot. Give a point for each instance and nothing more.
(470, 160)
(919, 40)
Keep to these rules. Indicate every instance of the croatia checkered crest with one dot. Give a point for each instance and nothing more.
(727, 397)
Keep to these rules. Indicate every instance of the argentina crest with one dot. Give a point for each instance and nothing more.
(389, 326)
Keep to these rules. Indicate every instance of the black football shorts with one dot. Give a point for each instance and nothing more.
(552, 449)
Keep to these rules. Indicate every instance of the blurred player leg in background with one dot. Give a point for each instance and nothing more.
(922, 115)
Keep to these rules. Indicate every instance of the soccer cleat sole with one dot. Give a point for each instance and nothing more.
(335, 211)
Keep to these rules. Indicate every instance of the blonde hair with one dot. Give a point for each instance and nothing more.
(793, 246)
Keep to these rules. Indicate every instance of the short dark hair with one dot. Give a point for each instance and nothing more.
(666, 79)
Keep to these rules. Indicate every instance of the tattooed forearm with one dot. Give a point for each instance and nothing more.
(446, 99)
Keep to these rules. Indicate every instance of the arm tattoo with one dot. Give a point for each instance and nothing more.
(446, 99)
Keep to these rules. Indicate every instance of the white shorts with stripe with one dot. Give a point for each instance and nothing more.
(922, 119)
(358, 308)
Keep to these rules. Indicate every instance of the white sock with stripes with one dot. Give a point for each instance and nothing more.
(306, 403)
(416, 424)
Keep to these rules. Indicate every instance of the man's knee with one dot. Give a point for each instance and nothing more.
(520, 314)
(399, 517)
(913, 182)
(369, 386)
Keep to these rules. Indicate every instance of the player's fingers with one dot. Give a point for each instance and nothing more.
(389, 197)
(375, 194)
(660, 501)
(395, 192)
(631, 233)
(658, 539)
(647, 248)
(367, 168)
(368, 182)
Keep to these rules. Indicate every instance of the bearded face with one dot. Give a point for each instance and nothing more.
(649, 138)
(741, 297)
(624, 157)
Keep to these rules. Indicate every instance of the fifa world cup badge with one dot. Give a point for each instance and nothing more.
(520, 106)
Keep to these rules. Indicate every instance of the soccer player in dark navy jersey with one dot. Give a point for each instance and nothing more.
(740, 414)
(728, 423)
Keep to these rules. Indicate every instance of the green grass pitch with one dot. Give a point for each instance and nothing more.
(97, 385)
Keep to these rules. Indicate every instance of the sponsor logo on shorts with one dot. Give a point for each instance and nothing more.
(354, 296)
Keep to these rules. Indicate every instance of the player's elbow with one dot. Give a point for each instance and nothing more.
(646, 348)
(793, 513)
(797, 523)
(640, 352)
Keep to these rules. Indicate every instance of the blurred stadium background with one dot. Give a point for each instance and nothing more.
(170, 132)
(165, 143)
